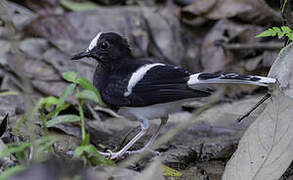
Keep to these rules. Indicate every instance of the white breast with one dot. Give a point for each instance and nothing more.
(154, 111)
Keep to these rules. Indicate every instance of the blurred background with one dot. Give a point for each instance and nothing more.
(38, 38)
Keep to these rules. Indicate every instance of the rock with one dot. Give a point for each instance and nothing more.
(204, 170)
(61, 62)
(7, 161)
(34, 47)
(20, 15)
(54, 168)
(5, 47)
(11, 104)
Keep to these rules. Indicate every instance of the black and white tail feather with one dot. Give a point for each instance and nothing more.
(198, 79)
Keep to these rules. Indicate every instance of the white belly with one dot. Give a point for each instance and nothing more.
(152, 112)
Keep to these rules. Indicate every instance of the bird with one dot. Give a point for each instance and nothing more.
(143, 90)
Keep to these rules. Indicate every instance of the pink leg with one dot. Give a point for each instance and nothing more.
(151, 141)
(123, 151)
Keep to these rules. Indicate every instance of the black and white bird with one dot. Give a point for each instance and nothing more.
(143, 90)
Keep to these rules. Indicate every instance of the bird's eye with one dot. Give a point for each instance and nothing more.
(105, 45)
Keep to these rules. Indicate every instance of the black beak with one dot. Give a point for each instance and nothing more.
(81, 55)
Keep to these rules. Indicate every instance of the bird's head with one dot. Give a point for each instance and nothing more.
(106, 47)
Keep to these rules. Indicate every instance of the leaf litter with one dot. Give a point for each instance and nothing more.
(266, 149)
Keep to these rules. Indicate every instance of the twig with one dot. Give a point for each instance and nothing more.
(107, 110)
(257, 45)
(263, 99)
(82, 122)
(286, 9)
(95, 115)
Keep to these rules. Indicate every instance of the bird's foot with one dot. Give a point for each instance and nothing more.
(120, 155)
(115, 155)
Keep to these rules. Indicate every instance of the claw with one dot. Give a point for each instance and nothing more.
(110, 154)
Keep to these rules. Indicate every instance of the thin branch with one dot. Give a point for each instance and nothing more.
(286, 10)
(263, 99)
(257, 45)
(95, 115)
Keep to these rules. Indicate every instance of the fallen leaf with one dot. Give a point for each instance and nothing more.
(63, 119)
(266, 149)
(217, 58)
(252, 63)
(252, 11)
(170, 171)
(282, 69)
(165, 29)
(44, 7)
(20, 15)
(73, 31)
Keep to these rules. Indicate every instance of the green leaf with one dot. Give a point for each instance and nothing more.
(88, 94)
(167, 171)
(67, 92)
(9, 93)
(79, 151)
(266, 33)
(43, 145)
(276, 29)
(11, 171)
(70, 76)
(286, 29)
(290, 36)
(51, 100)
(63, 119)
(279, 32)
(14, 148)
(39, 104)
(19, 124)
(57, 110)
(93, 153)
(45, 139)
(86, 140)
(78, 6)
(87, 85)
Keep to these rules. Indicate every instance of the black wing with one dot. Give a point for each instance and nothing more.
(163, 84)
(160, 84)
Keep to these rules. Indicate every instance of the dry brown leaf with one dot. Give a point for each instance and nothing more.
(73, 31)
(165, 32)
(44, 7)
(282, 69)
(216, 58)
(252, 11)
(266, 149)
